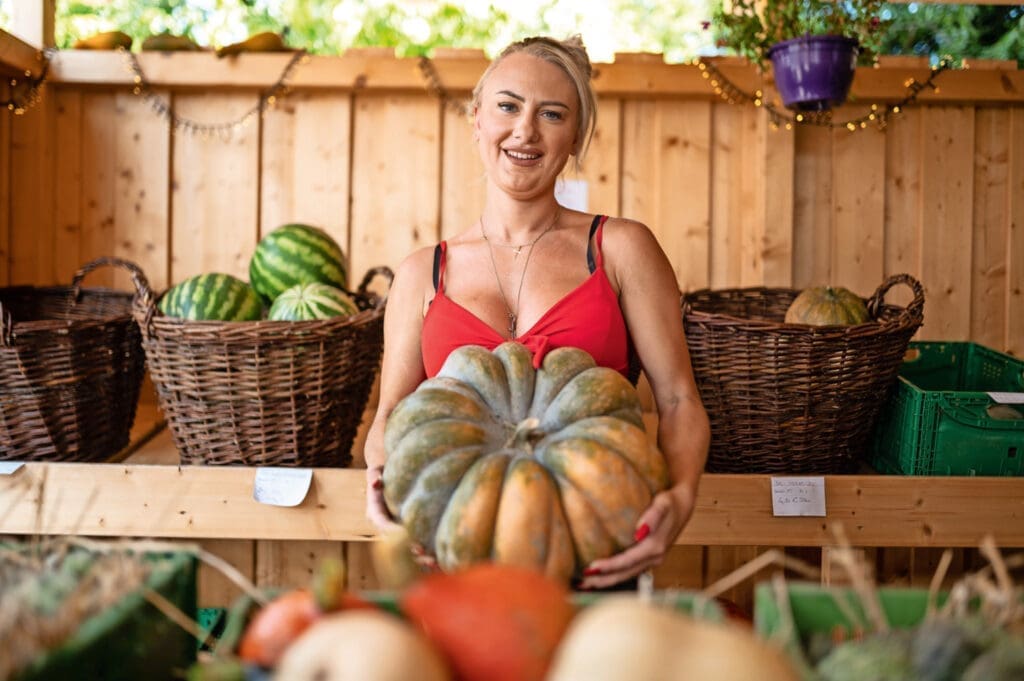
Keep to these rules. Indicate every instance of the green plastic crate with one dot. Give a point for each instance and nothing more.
(940, 419)
(815, 609)
(816, 612)
(132, 639)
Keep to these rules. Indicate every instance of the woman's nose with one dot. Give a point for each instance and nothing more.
(525, 129)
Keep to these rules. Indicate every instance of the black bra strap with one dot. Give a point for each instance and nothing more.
(437, 265)
(591, 265)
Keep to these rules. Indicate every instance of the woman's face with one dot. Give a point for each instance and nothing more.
(525, 123)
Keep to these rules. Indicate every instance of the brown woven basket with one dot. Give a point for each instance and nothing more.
(792, 398)
(70, 371)
(265, 393)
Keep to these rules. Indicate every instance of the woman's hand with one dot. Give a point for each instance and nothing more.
(377, 513)
(656, 531)
(376, 510)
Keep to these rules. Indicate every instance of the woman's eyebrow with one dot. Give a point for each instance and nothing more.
(551, 102)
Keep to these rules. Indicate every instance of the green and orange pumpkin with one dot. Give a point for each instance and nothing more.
(492, 460)
(827, 306)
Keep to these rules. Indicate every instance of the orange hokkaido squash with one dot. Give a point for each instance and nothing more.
(492, 622)
(827, 306)
(493, 460)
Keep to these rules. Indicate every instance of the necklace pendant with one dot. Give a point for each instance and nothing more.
(517, 250)
(511, 326)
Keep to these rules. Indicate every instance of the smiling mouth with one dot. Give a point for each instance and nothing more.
(520, 156)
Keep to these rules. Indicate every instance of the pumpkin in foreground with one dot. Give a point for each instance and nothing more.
(491, 622)
(827, 306)
(363, 645)
(494, 460)
(624, 638)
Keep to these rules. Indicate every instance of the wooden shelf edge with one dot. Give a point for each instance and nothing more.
(368, 72)
(206, 502)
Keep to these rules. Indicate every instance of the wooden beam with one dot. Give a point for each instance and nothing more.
(630, 78)
(17, 56)
(205, 502)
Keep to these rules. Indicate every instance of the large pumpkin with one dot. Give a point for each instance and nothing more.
(827, 306)
(493, 460)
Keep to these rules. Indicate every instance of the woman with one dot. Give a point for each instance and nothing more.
(547, 277)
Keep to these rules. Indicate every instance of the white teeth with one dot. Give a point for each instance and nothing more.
(521, 156)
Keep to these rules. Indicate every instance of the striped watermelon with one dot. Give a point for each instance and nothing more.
(212, 296)
(311, 301)
(296, 254)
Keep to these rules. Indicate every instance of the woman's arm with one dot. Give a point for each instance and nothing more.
(649, 296)
(401, 367)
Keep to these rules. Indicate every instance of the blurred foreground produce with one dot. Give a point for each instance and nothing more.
(365, 645)
(74, 611)
(622, 637)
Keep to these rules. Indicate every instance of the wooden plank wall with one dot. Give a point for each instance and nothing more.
(939, 194)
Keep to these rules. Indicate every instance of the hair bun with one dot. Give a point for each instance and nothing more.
(573, 44)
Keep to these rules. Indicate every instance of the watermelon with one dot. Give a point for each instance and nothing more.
(296, 254)
(312, 301)
(212, 296)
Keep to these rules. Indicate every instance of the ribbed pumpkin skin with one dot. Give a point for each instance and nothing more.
(492, 460)
(827, 306)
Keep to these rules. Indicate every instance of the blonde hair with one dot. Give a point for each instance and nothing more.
(571, 56)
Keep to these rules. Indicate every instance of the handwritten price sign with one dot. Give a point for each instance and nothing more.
(798, 496)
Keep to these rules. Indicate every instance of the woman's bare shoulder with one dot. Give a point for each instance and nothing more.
(628, 237)
(417, 265)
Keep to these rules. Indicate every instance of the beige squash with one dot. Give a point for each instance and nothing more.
(623, 638)
(361, 645)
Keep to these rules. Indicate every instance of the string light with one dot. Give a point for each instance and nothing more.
(20, 102)
(268, 99)
(435, 86)
(730, 92)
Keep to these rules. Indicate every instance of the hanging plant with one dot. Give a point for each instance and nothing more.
(812, 45)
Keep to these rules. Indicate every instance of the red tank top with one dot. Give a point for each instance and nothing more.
(587, 317)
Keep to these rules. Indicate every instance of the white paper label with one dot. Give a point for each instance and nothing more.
(1007, 398)
(10, 467)
(572, 194)
(798, 496)
(282, 486)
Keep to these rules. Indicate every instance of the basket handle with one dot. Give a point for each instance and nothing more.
(138, 278)
(6, 327)
(142, 305)
(384, 271)
(914, 309)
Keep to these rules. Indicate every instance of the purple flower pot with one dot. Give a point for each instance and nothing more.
(814, 73)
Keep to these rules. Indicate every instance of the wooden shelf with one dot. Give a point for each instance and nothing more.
(203, 502)
(372, 70)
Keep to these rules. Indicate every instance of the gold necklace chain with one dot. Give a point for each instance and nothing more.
(513, 316)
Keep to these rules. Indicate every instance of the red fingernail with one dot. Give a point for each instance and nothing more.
(641, 532)
(591, 571)
(378, 484)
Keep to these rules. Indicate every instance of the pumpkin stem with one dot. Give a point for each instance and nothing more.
(526, 434)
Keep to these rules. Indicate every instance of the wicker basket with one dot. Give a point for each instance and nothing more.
(265, 393)
(70, 371)
(792, 398)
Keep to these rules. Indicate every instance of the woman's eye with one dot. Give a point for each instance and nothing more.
(506, 107)
(552, 115)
